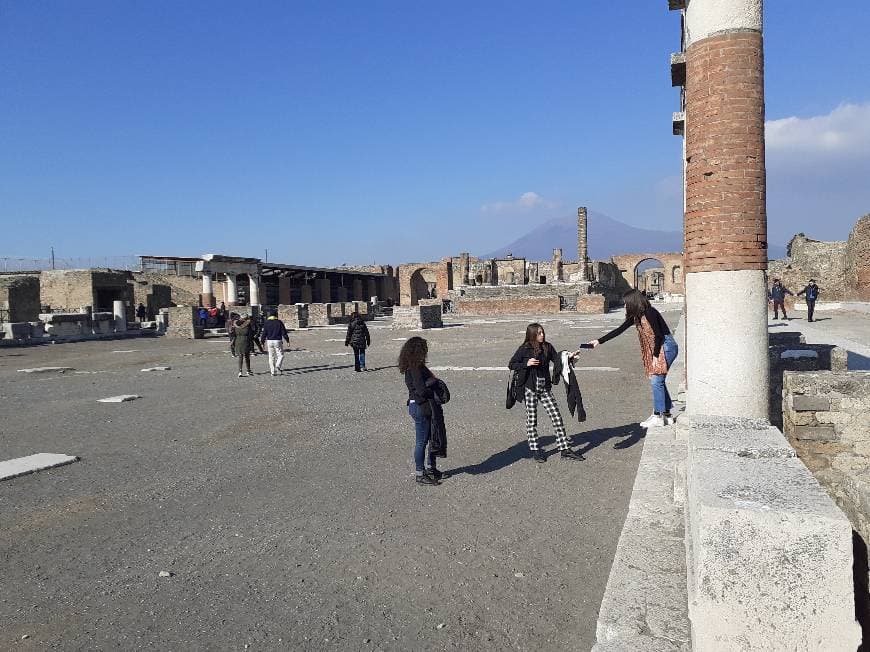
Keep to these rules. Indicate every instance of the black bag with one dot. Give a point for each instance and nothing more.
(513, 390)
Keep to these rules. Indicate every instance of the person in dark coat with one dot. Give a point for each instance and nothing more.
(421, 389)
(140, 312)
(658, 350)
(777, 296)
(358, 337)
(811, 292)
(532, 362)
(242, 332)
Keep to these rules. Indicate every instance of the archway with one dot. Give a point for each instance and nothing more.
(424, 282)
(649, 276)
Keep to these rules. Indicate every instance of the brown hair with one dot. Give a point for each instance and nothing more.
(636, 304)
(531, 340)
(413, 354)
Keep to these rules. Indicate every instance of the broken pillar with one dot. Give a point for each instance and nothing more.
(207, 296)
(557, 265)
(725, 213)
(119, 308)
(322, 290)
(306, 294)
(582, 248)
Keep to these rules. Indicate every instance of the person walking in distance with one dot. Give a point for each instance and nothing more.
(777, 296)
(658, 350)
(811, 292)
(358, 337)
(274, 335)
(420, 383)
(532, 362)
(140, 312)
(242, 331)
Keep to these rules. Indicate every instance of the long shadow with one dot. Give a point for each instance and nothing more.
(500, 460)
(628, 436)
(857, 362)
(313, 368)
(386, 366)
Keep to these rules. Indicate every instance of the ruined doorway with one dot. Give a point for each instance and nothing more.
(424, 284)
(649, 277)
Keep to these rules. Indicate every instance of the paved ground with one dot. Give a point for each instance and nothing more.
(845, 328)
(285, 508)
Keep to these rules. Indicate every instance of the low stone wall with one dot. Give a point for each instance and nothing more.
(769, 553)
(320, 314)
(826, 418)
(417, 317)
(515, 306)
(591, 304)
(788, 351)
(294, 316)
(183, 322)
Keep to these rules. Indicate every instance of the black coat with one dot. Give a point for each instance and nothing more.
(357, 334)
(526, 376)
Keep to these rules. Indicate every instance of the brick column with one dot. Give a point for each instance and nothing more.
(557, 265)
(582, 247)
(725, 218)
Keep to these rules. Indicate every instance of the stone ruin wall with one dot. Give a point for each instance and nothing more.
(857, 261)
(806, 259)
(19, 298)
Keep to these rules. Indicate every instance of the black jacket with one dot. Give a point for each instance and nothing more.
(655, 319)
(420, 382)
(437, 429)
(274, 329)
(811, 291)
(526, 376)
(357, 334)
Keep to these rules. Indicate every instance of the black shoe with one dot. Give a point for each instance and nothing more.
(435, 473)
(426, 479)
(539, 456)
(568, 454)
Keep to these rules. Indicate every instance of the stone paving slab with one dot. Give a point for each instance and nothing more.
(32, 463)
(122, 398)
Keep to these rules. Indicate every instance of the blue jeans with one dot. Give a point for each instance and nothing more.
(359, 358)
(422, 427)
(661, 396)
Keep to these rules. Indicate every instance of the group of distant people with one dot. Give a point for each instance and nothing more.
(213, 317)
(777, 293)
(531, 365)
(247, 332)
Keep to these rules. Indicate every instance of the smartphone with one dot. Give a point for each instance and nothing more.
(586, 346)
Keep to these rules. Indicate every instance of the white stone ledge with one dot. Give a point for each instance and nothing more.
(769, 554)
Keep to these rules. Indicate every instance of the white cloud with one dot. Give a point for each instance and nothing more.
(844, 132)
(526, 201)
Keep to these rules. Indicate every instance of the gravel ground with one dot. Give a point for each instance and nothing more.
(285, 508)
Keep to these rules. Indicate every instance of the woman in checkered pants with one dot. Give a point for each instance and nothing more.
(532, 363)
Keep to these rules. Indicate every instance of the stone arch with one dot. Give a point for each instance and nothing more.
(424, 285)
(672, 262)
(420, 281)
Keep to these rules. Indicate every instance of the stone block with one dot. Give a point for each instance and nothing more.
(21, 330)
(183, 322)
(769, 553)
(294, 316)
(815, 433)
(319, 314)
(804, 403)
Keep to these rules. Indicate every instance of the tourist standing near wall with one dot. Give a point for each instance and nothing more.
(658, 350)
(811, 292)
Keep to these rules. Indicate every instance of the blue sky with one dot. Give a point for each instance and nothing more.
(390, 130)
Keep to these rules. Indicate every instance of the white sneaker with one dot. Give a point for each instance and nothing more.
(240, 374)
(652, 420)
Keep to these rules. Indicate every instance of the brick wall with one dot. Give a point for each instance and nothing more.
(592, 304)
(513, 306)
(70, 289)
(725, 219)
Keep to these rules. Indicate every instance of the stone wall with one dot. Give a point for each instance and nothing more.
(528, 305)
(789, 352)
(19, 298)
(510, 271)
(320, 314)
(183, 322)
(294, 316)
(417, 317)
(807, 258)
(591, 304)
(66, 289)
(184, 290)
(857, 264)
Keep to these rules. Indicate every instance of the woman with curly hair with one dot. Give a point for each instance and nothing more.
(420, 382)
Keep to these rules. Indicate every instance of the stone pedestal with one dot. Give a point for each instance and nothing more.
(119, 308)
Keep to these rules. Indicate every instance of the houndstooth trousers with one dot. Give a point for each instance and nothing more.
(541, 393)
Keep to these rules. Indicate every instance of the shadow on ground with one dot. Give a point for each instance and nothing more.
(627, 435)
